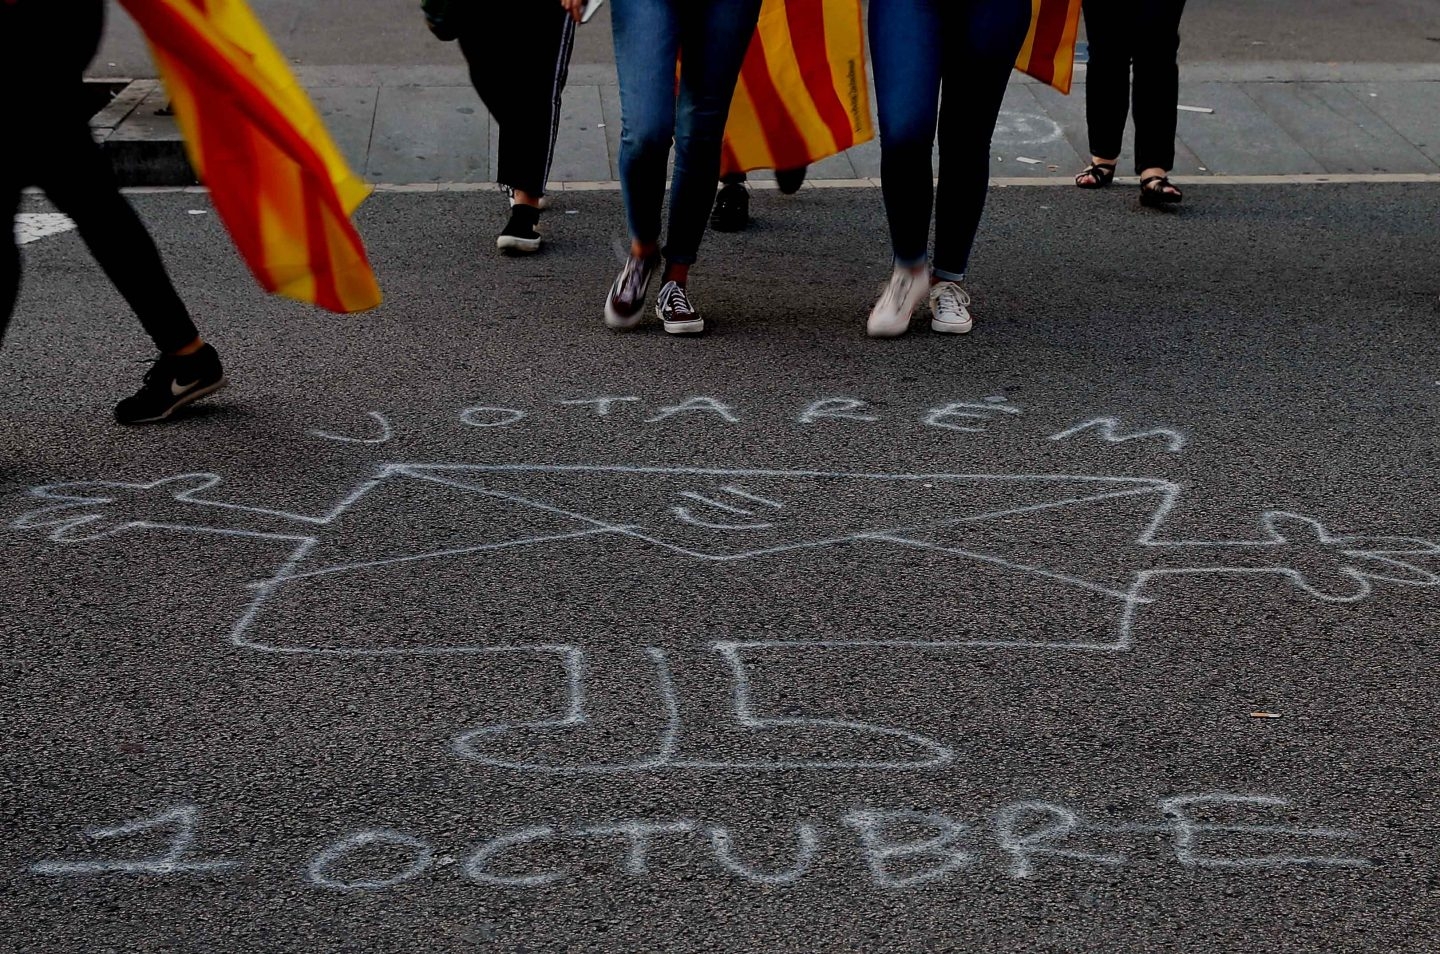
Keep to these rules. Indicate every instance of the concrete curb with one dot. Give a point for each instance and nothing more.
(144, 147)
(398, 125)
(1414, 178)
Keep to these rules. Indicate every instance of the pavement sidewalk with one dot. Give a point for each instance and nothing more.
(424, 126)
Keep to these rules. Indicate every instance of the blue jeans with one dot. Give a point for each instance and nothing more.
(649, 36)
(916, 45)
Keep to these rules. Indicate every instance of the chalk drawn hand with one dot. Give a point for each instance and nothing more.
(89, 510)
(1345, 568)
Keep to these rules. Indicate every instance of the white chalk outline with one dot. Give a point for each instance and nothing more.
(70, 518)
(386, 432)
(1110, 432)
(320, 864)
(1184, 829)
(184, 818)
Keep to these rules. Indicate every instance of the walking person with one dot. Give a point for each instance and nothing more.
(1145, 36)
(44, 49)
(966, 47)
(518, 54)
(650, 36)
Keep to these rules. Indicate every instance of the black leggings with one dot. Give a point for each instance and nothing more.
(62, 159)
(1147, 36)
(519, 55)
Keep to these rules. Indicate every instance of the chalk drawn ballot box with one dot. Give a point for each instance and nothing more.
(430, 557)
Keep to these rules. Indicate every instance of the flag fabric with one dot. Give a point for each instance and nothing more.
(802, 94)
(1049, 50)
(256, 141)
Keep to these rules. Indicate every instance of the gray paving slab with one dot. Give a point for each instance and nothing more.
(1027, 129)
(349, 115)
(146, 119)
(610, 110)
(103, 123)
(1411, 109)
(411, 132)
(865, 158)
(1068, 112)
(837, 166)
(541, 690)
(581, 150)
(1236, 34)
(492, 140)
(1337, 129)
(429, 134)
(1239, 137)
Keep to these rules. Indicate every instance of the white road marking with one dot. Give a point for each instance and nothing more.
(34, 226)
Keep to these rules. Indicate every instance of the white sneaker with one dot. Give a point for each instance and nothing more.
(950, 308)
(891, 314)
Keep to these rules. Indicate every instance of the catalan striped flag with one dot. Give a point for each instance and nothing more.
(802, 93)
(1049, 50)
(255, 139)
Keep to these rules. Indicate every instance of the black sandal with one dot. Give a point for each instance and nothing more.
(1103, 173)
(1161, 192)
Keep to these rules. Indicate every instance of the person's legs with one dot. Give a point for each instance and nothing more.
(1109, 29)
(76, 177)
(647, 43)
(906, 51)
(982, 38)
(715, 35)
(518, 59)
(1157, 85)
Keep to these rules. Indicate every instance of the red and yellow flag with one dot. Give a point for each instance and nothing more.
(802, 93)
(803, 96)
(1049, 50)
(255, 139)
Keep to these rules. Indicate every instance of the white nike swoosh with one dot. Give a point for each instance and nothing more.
(177, 389)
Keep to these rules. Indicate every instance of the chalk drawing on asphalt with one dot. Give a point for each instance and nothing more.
(898, 847)
(719, 524)
(181, 820)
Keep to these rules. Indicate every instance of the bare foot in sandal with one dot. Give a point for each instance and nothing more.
(1157, 189)
(1099, 174)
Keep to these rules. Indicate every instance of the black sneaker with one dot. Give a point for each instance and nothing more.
(625, 303)
(675, 311)
(171, 383)
(732, 208)
(519, 236)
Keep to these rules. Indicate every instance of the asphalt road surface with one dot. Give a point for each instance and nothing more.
(1108, 627)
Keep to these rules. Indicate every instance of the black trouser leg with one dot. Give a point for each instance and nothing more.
(77, 179)
(1157, 83)
(1109, 26)
(519, 56)
(983, 38)
(9, 251)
